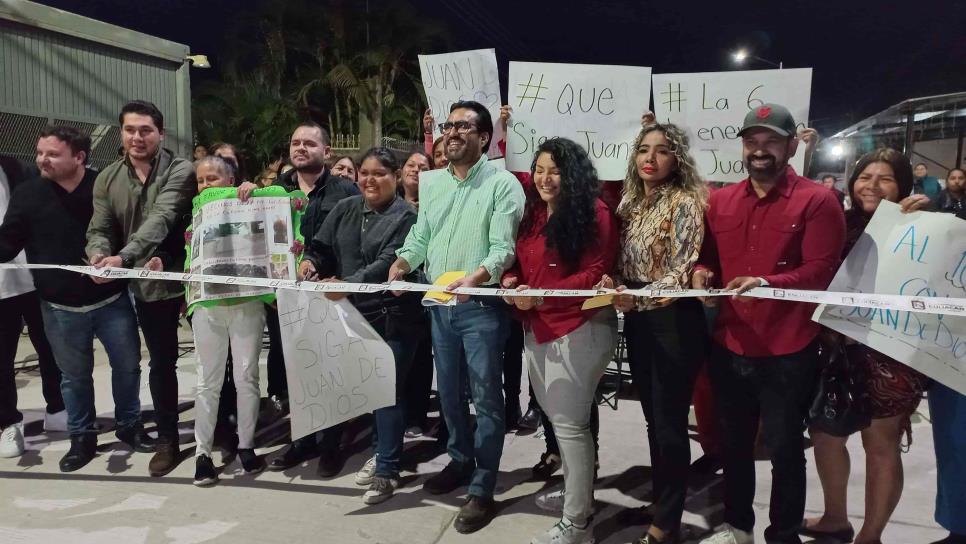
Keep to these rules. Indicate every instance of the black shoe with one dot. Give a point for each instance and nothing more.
(295, 454)
(253, 464)
(635, 516)
(474, 515)
(531, 419)
(648, 538)
(205, 474)
(82, 449)
(166, 457)
(272, 409)
(453, 476)
(549, 464)
(842, 535)
(331, 462)
(136, 439)
(707, 464)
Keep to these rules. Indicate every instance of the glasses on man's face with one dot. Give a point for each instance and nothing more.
(461, 127)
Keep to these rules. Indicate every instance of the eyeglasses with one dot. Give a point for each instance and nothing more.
(461, 127)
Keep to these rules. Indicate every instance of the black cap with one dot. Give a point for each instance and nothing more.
(771, 116)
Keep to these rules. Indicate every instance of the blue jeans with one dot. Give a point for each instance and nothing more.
(948, 410)
(401, 331)
(480, 331)
(71, 336)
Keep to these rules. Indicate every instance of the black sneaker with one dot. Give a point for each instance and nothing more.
(136, 439)
(253, 464)
(295, 454)
(205, 474)
(549, 464)
(453, 476)
(331, 462)
(83, 447)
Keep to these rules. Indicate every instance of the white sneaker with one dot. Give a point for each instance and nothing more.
(727, 534)
(551, 501)
(367, 472)
(380, 490)
(55, 422)
(11, 441)
(565, 532)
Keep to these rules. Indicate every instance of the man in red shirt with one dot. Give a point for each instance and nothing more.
(780, 230)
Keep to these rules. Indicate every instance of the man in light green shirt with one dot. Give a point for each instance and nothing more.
(467, 222)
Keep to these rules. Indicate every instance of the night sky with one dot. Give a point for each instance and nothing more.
(866, 54)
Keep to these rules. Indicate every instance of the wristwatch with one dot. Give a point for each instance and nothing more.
(126, 261)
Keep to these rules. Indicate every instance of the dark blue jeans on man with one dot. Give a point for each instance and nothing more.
(477, 328)
(777, 392)
(71, 335)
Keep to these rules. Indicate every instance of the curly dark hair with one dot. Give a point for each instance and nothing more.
(573, 226)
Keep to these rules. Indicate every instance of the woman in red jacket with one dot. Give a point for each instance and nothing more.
(567, 240)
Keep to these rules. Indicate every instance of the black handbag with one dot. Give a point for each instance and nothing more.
(840, 407)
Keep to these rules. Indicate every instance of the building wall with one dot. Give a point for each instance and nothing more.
(54, 77)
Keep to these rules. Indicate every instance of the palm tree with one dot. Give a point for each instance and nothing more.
(372, 68)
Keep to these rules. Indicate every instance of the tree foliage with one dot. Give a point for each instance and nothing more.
(340, 63)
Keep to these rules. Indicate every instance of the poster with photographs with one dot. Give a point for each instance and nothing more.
(234, 238)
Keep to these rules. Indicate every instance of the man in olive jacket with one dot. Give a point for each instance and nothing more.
(142, 204)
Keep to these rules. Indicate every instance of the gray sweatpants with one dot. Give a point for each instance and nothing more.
(564, 374)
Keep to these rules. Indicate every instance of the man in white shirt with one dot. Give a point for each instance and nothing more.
(19, 303)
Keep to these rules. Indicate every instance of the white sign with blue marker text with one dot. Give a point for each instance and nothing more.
(337, 367)
(711, 107)
(918, 254)
(458, 76)
(597, 106)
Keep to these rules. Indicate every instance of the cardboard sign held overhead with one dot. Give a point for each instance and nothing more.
(711, 106)
(462, 75)
(597, 106)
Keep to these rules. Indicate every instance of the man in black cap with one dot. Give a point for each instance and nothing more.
(781, 230)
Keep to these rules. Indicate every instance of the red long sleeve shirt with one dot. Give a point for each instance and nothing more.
(610, 190)
(792, 237)
(540, 267)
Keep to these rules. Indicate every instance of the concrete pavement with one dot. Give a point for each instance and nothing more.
(114, 500)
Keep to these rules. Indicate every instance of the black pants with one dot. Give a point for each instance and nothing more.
(277, 386)
(13, 312)
(777, 390)
(513, 364)
(159, 324)
(665, 349)
(420, 382)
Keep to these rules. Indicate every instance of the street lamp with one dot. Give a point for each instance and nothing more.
(198, 61)
(741, 55)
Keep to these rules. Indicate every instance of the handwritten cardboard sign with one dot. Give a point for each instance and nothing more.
(462, 75)
(918, 254)
(711, 106)
(337, 366)
(597, 106)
